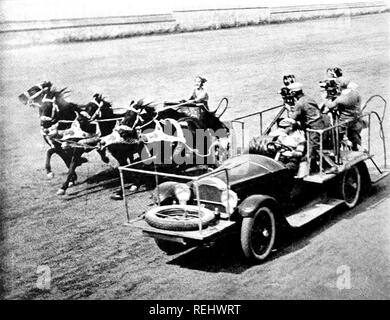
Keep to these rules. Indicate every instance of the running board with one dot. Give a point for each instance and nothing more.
(377, 176)
(312, 211)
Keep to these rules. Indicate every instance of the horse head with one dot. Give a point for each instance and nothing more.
(48, 110)
(53, 107)
(97, 108)
(34, 95)
(138, 116)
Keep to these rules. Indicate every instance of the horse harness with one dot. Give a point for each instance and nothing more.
(97, 113)
(30, 101)
(55, 109)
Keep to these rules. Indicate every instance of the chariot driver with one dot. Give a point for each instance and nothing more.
(199, 95)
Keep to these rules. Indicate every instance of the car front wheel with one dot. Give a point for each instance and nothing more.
(258, 234)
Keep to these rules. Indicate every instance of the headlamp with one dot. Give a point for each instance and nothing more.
(229, 200)
(182, 193)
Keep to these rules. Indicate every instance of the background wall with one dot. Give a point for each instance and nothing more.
(41, 21)
(19, 10)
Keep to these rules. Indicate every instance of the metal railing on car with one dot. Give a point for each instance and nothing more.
(195, 180)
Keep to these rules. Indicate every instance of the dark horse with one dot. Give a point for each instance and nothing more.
(94, 121)
(55, 111)
(171, 124)
(176, 139)
(56, 114)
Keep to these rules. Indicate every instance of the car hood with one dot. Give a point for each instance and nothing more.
(248, 166)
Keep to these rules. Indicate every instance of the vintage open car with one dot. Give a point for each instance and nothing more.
(255, 195)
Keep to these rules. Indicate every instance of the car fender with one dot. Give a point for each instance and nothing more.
(249, 206)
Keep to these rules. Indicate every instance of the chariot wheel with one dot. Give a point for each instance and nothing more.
(221, 108)
(258, 234)
(350, 187)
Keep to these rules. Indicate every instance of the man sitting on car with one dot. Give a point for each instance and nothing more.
(290, 136)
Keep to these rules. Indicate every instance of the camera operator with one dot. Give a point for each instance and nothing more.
(309, 115)
(345, 105)
(306, 110)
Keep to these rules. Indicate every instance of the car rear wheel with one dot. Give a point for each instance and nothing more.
(350, 187)
(258, 234)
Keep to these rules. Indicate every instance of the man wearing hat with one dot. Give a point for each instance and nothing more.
(289, 135)
(309, 115)
(347, 104)
(306, 110)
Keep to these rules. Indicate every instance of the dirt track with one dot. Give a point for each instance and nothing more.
(81, 236)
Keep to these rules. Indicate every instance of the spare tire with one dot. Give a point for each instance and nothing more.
(179, 217)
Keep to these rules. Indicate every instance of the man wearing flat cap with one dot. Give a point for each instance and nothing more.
(290, 136)
(306, 110)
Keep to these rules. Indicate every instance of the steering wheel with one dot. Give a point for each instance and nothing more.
(274, 146)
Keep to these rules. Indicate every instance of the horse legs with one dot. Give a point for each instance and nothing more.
(64, 155)
(49, 153)
(121, 155)
(74, 162)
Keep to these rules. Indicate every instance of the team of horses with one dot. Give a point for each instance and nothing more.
(71, 130)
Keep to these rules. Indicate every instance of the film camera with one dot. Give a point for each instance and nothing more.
(334, 72)
(287, 97)
(288, 79)
(331, 87)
